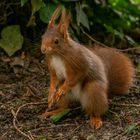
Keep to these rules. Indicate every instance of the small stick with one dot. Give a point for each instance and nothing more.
(94, 40)
(126, 105)
(15, 114)
(131, 49)
(15, 126)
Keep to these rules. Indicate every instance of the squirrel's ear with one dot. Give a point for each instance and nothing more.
(64, 23)
(54, 16)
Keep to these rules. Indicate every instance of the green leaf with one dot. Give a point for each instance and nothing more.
(119, 34)
(31, 21)
(46, 12)
(130, 40)
(138, 67)
(129, 129)
(23, 2)
(82, 17)
(55, 118)
(12, 39)
(36, 5)
(114, 31)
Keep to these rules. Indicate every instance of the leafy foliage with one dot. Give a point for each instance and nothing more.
(12, 39)
(138, 67)
(81, 17)
(45, 12)
(120, 18)
(114, 14)
(23, 2)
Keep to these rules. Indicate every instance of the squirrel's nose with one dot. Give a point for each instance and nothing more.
(43, 50)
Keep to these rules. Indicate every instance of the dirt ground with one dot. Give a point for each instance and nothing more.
(23, 97)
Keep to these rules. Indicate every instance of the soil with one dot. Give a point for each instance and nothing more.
(23, 98)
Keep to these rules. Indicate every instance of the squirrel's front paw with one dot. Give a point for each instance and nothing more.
(50, 102)
(46, 115)
(59, 94)
(51, 99)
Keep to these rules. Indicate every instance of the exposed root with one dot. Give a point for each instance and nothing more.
(15, 114)
(94, 40)
(131, 49)
(125, 105)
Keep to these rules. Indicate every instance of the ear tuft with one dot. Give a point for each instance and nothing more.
(54, 16)
(64, 23)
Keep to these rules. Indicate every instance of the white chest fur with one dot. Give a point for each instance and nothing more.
(58, 65)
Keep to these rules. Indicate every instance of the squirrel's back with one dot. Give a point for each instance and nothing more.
(118, 67)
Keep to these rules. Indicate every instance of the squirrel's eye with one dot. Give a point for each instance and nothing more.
(56, 41)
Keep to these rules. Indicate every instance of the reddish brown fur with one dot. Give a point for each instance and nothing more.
(96, 97)
(85, 74)
(119, 69)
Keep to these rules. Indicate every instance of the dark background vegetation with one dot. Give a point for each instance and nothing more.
(24, 79)
(115, 23)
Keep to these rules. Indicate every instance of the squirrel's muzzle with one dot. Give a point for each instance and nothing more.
(45, 49)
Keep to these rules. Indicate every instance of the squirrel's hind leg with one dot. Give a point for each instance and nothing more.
(94, 101)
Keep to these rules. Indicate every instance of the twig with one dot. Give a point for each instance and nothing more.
(2, 136)
(126, 105)
(73, 131)
(117, 116)
(114, 114)
(94, 40)
(15, 126)
(131, 49)
(31, 136)
(33, 89)
(15, 114)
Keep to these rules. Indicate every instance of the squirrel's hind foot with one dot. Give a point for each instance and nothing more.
(96, 122)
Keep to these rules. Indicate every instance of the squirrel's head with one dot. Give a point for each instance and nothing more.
(56, 35)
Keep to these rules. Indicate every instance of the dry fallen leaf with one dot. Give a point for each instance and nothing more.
(17, 61)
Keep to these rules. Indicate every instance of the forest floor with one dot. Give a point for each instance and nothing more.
(23, 97)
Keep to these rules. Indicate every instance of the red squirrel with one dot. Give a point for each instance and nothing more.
(82, 74)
